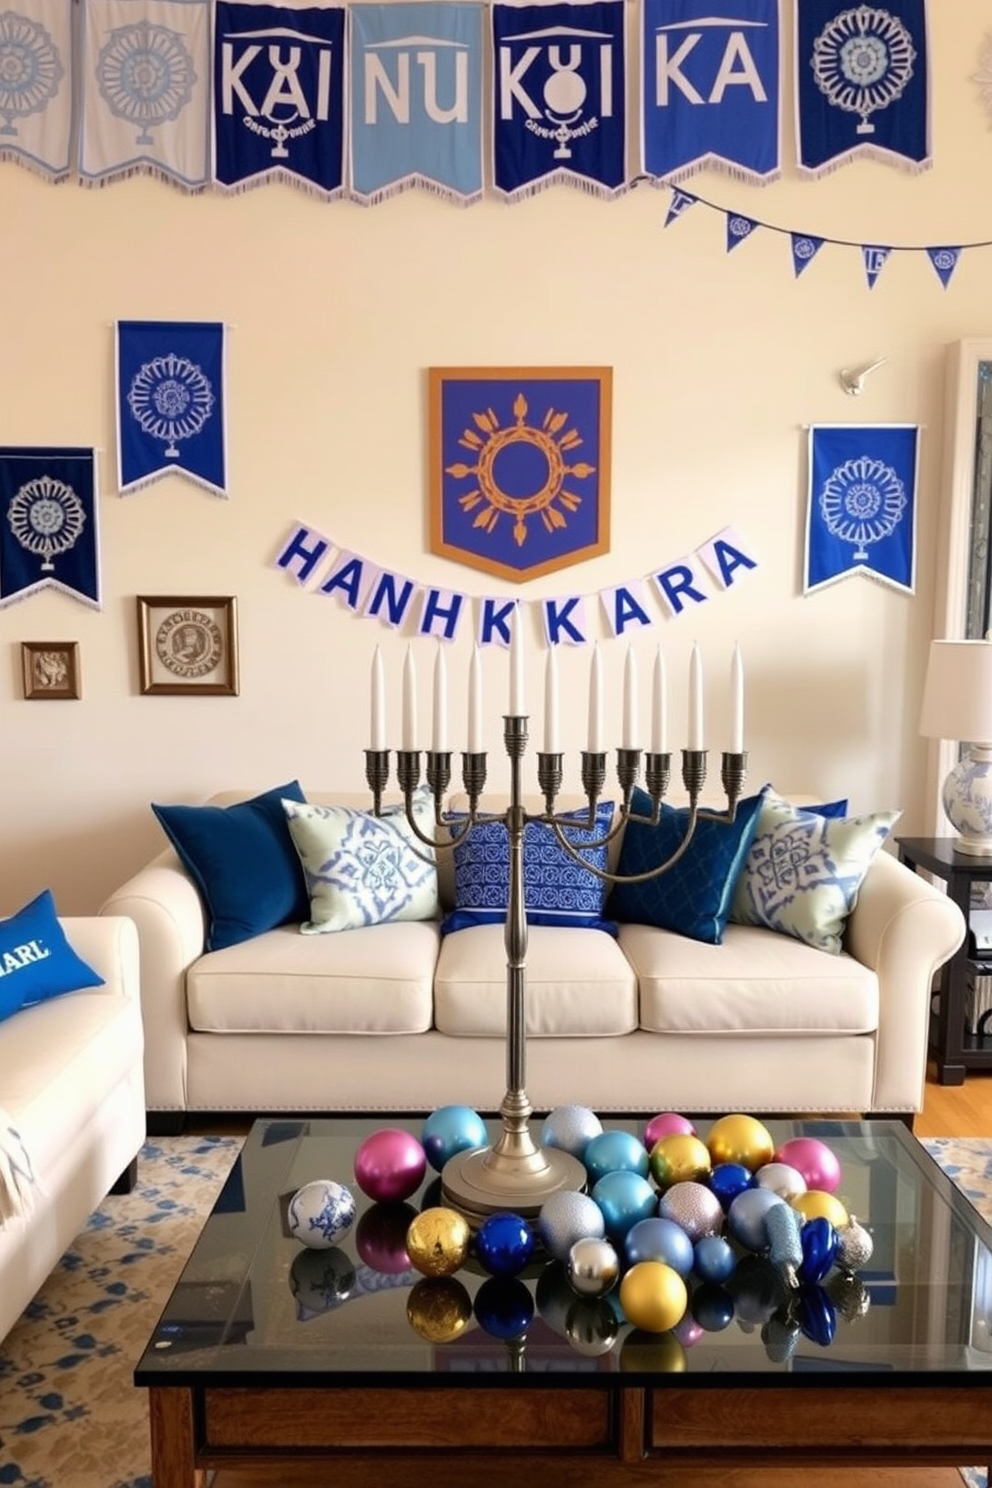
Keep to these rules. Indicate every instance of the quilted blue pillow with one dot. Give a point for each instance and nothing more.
(243, 862)
(557, 890)
(693, 897)
(36, 960)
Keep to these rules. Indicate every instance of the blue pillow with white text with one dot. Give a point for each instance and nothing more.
(36, 960)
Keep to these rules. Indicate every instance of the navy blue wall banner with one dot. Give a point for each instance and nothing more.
(48, 528)
(861, 513)
(279, 96)
(171, 406)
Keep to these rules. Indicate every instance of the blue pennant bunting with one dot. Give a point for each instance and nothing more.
(711, 87)
(680, 203)
(861, 514)
(48, 532)
(874, 259)
(945, 261)
(171, 403)
(804, 250)
(738, 228)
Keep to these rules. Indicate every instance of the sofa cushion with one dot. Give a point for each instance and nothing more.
(578, 984)
(36, 959)
(754, 983)
(376, 979)
(243, 862)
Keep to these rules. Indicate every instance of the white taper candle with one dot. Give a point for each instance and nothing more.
(517, 708)
(551, 744)
(377, 722)
(631, 730)
(439, 734)
(695, 740)
(659, 706)
(475, 703)
(595, 741)
(409, 701)
(736, 702)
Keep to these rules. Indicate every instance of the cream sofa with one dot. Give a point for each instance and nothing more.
(397, 1018)
(72, 1084)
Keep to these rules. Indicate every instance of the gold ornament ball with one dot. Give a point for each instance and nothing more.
(740, 1139)
(678, 1158)
(816, 1203)
(439, 1308)
(642, 1351)
(653, 1296)
(437, 1241)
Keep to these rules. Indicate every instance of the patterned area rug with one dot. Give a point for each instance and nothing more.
(70, 1416)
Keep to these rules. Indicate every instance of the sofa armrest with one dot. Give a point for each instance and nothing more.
(905, 929)
(166, 908)
(108, 943)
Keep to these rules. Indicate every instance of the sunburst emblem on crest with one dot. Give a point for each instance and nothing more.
(145, 75)
(552, 441)
(862, 501)
(46, 517)
(171, 399)
(30, 68)
(862, 61)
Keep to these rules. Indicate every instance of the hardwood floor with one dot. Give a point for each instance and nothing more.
(957, 1110)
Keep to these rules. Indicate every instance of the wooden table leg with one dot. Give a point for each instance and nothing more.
(170, 1414)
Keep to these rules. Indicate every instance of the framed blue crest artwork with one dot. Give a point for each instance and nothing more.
(520, 466)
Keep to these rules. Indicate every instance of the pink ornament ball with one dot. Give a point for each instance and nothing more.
(817, 1162)
(667, 1124)
(390, 1165)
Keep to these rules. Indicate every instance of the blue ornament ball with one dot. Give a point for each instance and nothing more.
(659, 1239)
(450, 1130)
(504, 1307)
(613, 1152)
(746, 1217)
(727, 1180)
(565, 1217)
(713, 1259)
(712, 1307)
(504, 1244)
(624, 1198)
(570, 1129)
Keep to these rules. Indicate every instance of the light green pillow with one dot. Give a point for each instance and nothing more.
(363, 869)
(803, 871)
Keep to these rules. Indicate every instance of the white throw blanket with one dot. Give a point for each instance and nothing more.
(18, 1184)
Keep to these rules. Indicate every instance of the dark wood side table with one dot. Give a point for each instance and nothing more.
(954, 1049)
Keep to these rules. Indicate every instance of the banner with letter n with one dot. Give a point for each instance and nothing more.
(171, 403)
(861, 512)
(48, 528)
(279, 97)
(559, 97)
(710, 88)
(36, 87)
(415, 99)
(862, 85)
(145, 84)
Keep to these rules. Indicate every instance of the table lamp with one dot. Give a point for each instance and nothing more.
(957, 704)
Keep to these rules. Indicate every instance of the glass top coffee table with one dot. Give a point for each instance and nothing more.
(268, 1352)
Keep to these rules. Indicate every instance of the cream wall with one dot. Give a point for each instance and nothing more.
(719, 360)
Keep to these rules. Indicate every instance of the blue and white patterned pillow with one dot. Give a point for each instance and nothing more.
(363, 869)
(557, 889)
(803, 871)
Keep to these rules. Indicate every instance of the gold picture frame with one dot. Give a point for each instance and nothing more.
(50, 670)
(188, 645)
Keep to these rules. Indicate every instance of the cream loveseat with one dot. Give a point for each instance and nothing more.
(72, 1089)
(397, 1017)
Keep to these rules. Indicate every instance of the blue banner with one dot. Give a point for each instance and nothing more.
(48, 531)
(559, 97)
(710, 87)
(415, 99)
(861, 83)
(279, 96)
(171, 408)
(861, 516)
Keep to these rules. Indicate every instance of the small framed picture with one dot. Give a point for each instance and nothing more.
(188, 645)
(51, 670)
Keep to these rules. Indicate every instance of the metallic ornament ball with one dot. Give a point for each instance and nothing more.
(571, 1129)
(437, 1242)
(693, 1207)
(739, 1138)
(568, 1216)
(439, 1308)
(653, 1296)
(592, 1267)
(680, 1157)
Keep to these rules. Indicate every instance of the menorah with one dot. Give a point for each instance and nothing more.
(516, 1173)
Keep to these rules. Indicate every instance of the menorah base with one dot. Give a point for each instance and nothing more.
(491, 1180)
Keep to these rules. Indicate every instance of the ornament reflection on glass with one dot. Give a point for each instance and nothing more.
(517, 1173)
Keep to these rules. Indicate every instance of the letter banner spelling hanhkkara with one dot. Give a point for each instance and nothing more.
(559, 97)
(861, 514)
(48, 528)
(710, 88)
(171, 404)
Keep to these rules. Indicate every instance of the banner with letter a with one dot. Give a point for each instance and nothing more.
(171, 404)
(48, 526)
(711, 88)
(415, 99)
(279, 97)
(862, 84)
(861, 516)
(36, 87)
(559, 97)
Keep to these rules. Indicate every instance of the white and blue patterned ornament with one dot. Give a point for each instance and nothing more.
(321, 1213)
(570, 1129)
(321, 1280)
(568, 1216)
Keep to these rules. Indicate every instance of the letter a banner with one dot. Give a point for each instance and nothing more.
(171, 404)
(279, 97)
(861, 517)
(559, 97)
(48, 532)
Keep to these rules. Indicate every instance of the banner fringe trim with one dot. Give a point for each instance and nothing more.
(143, 168)
(53, 175)
(584, 184)
(415, 182)
(145, 481)
(286, 178)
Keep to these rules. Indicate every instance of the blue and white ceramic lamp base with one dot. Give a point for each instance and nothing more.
(967, 800)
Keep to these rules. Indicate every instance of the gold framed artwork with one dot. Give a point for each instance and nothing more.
(188, 645)
(50, 670)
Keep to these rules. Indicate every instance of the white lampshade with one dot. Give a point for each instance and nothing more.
(957, 704)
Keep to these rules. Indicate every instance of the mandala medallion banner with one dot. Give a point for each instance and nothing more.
(171, 404)
(559, 97)
(36, 92)
(415, 99)
(710, 88)
(279, 96)
(48, 534)
(861, 516)
(862, 83)
(145, 85)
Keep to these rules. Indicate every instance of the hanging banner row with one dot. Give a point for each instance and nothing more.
(366, 100)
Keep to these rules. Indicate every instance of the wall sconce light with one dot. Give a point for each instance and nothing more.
(852, 379)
